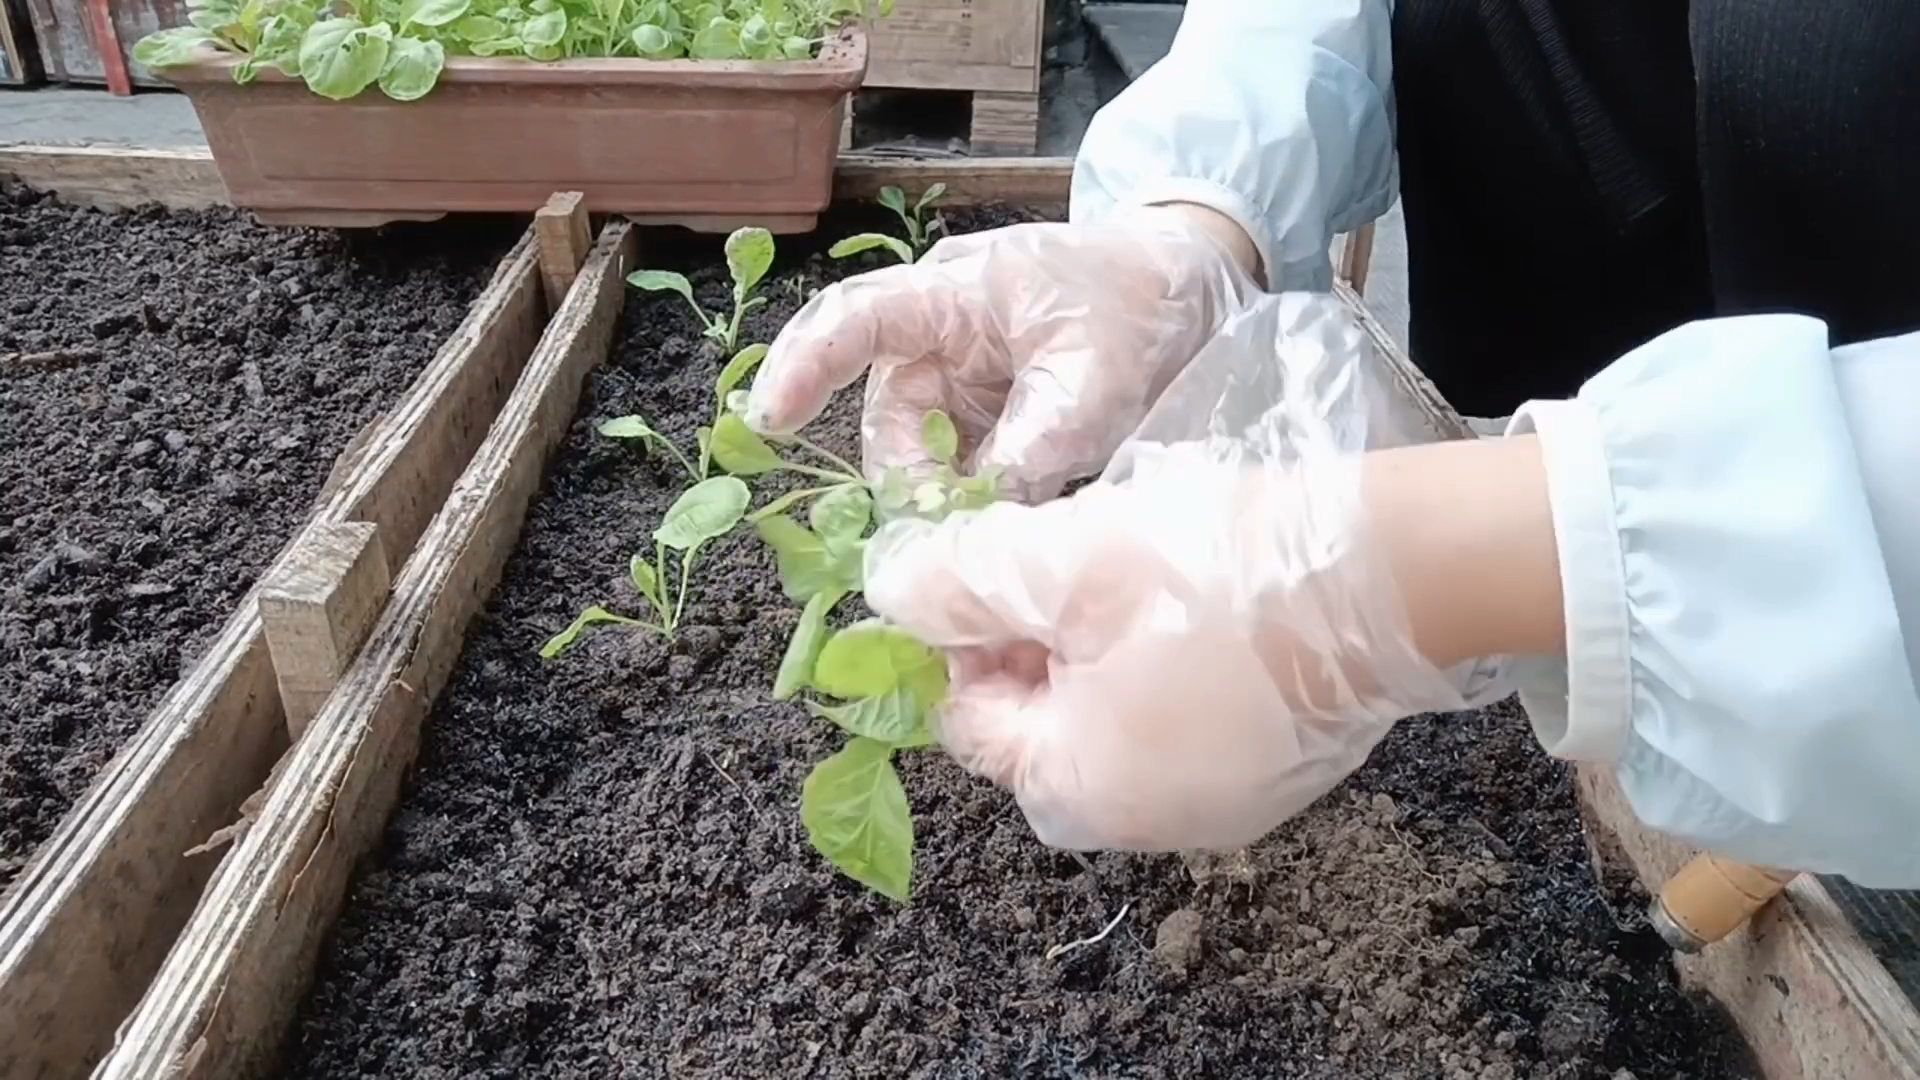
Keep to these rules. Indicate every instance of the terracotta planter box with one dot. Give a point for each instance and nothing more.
(709, 144)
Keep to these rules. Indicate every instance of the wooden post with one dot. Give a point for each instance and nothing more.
(316, 610)
(1356, 257)
(561, 227)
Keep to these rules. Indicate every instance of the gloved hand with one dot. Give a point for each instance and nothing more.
(1045, 343)
(1192, 649)
(1180, 660)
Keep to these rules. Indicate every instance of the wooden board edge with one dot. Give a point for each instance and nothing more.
(118, 177)
(1033, 182)
(220, 1004)
(185, 178)
(1809, 995)
(90, 918)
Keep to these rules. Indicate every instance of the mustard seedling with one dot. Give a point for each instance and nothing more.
(875, 682)
(921, 227)
(725, 391)
(749, 256)
(706, 511)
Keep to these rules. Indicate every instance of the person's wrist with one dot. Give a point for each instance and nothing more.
(1222, 230)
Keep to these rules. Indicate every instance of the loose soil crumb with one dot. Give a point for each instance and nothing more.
(175, 388)
(599, 869)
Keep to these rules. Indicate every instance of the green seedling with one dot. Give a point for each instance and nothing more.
(706, 511)
(342, 47)
(726, 395)
(873, 681)
(921, 228)
(749, 255)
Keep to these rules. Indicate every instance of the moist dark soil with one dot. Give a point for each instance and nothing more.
(598, 870)
(174, 388)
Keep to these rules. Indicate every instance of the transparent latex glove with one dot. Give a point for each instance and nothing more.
(1191, 650)
(1046, 343)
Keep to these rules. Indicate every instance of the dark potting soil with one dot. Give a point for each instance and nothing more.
(174, 388)
(598, 870)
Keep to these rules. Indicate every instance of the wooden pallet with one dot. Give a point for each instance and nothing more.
(988, 48)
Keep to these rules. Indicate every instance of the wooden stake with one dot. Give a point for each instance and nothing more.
(316, 609)
(1356, 258)
(565, 238)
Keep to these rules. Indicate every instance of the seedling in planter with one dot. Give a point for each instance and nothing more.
(749, 255)
(341, 47)
(725, 393)
(921, 229)
(706, 511)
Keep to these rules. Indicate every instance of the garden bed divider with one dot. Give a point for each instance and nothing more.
(89, 921)
(222, 1000)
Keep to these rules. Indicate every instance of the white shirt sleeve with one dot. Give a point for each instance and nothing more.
(1739, 540)
(1276, 113)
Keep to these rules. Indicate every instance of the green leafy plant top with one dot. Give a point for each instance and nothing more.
(341, 47)
(873, 681)
(749, 256)
(921, 222)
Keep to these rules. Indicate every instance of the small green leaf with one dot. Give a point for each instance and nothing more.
(662, 281)
(854, 245)
(593, 616)
(704, 511)
(843, 513)
(806, 567)
(479, 28)
(629, 427)
(545, 30)
(749, 257)
(930, 196)
(796, 665)
(340, 57)
(870, 659)
(756, 36)
(652, 42)
(412, 68)
(738, 368)
(938, 434)
(173, 47)
(895, 718)
(280, 43)
(893, 199)
(796, 48)
(718, 40)
(741, 452)
(886, 8)
(432, 12)
(644, 579)
(856, 814)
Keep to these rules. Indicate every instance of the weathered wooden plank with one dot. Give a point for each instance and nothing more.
(565, 239)
(958, 45)
(316, 609)
(1016, 181)
(229, 988)
(89, 921)
(118, 177)
(1808, 993)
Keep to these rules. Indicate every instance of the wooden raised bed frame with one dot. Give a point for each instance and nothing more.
(89, 920)
(219, 1004)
